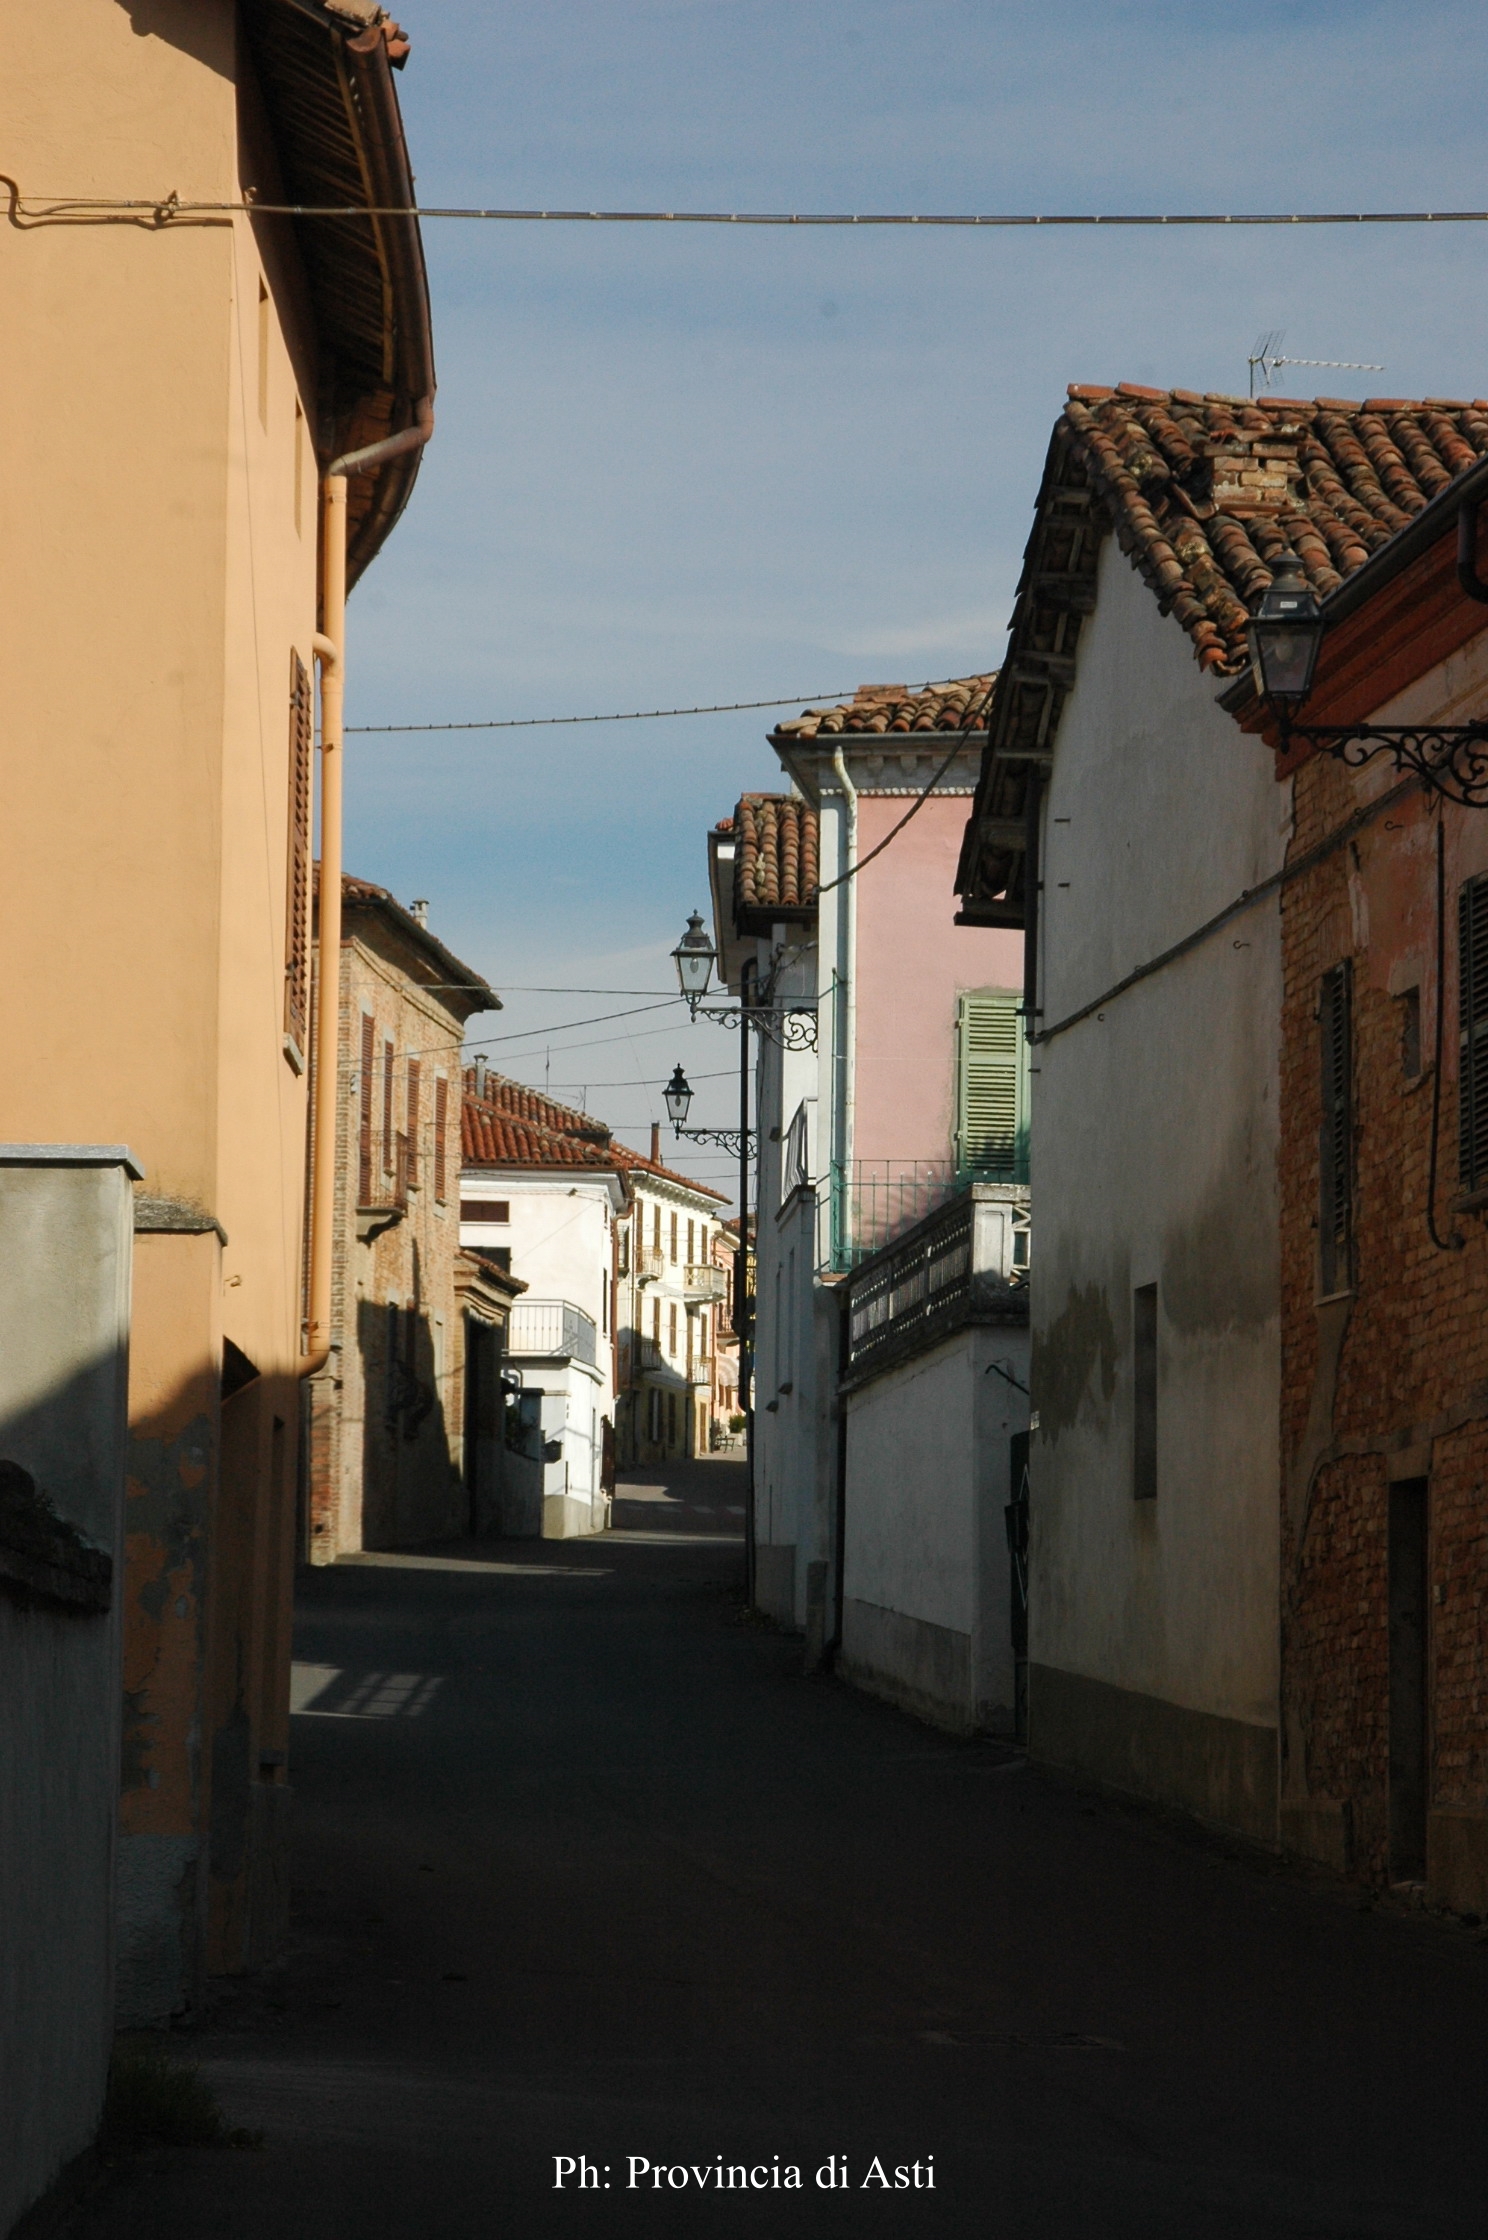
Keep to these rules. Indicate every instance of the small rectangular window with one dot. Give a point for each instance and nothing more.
(364, 1111)
(415, 1078)
(485, 1209)
(297, 905)
(441, 1130)
(1472, 1010)
(1144, 1392)
(1336, 1132)
(389, 1141)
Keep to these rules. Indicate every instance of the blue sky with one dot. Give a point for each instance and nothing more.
(690, 464)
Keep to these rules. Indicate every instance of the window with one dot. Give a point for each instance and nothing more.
(415, 1092)
(1144, 1392)
(672, 1329)
(671, 1407)
(297, 901)
(364, 1112)
(656, 1228)
(1335, 1133)
(1472, 1007)
(441, 1130)
(489, 1210)
(991, 1086)
(656, 1322)
(389, 1146)
(674, 1239)
(691, 1257)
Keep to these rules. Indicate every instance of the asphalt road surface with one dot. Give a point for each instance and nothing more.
(590, 1877)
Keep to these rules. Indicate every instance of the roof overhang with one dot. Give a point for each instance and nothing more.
(325, 71)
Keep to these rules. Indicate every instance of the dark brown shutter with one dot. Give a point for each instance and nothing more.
(1472, 1009)
(364, 1114)
(389, 1144)
(297, 909)
(441, 1124)
(413, 1120)
(1336, 1132)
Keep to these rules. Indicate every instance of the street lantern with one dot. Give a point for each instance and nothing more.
(1285, 636)
(678, 1095)
(695, 958)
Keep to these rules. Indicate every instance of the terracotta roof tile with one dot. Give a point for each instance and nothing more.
(1204, 491)
(628, 1160)
(775, 858)
(958, 706)
(513, 1126)
(512, 1100)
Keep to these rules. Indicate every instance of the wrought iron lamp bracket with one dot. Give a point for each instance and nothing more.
(728, 1139)
(1450, 759)
(789, 1026)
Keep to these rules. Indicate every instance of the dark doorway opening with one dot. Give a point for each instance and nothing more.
(1408, 1654)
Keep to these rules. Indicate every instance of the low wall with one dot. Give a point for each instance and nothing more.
(65, 1245)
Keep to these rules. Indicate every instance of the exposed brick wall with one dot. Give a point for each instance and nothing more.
(1411, 1388)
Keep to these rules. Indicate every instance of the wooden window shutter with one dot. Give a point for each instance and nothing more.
(389, 1144)
(297, 907)
(441, 1126)
(364, 1111)
(674, 1239)
(1472, 1009)
(991, 1087)
(414, 1095)
(1335, 1132)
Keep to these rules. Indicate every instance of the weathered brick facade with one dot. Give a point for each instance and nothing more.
(1385, 1381)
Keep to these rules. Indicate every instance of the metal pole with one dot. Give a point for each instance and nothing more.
(742, 1318)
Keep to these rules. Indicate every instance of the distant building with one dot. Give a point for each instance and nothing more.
(674, 1301)
(395, 1450)
(889, 1343)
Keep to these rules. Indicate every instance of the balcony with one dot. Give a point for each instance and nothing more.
(700, 1370)
(648, 1262)
(706, 1281)
(554, 1329)
(881, 1199)
(965, 1262)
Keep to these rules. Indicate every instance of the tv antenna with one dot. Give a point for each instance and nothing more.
(1266, 358)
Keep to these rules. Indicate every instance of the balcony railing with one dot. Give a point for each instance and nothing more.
(700, 1369)
(552, 1327)
(649, 1262)
(705, 1280)
(878, 1200)
(967, 1259)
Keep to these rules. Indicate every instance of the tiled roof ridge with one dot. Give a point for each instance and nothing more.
(1204, 489)
(776, 858)
(534, 1106)
(490, 1137)
(623, 1156)
(896, 708)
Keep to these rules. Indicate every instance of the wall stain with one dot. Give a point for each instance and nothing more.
(1221, 1266)
(1066, 1355)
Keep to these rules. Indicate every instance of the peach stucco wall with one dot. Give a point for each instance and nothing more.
(913, 960)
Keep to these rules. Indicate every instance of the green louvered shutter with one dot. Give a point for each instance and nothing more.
(991, 1087)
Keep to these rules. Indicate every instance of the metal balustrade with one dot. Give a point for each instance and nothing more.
(553, 1327)
(967, 1258)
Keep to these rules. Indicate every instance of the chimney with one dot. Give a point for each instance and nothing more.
(480, 1077)
(656, 1142)
(420, 910)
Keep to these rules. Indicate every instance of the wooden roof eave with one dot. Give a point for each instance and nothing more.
(334, 115)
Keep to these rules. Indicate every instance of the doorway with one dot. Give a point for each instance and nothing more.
(1409, 1510)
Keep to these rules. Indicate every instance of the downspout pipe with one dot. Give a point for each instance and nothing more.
(847, 952)
(330, 652)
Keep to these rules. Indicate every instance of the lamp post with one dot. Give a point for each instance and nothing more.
(1285, 636)
(677, 1097)
(791, 1025)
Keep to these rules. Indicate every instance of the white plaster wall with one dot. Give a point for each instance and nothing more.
(65, 1243)
(561, 1243)
(1154, 1161)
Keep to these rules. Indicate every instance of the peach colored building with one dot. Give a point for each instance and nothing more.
(177, 379)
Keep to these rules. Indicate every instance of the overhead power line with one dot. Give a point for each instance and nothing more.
(164, 209)
(647, 715)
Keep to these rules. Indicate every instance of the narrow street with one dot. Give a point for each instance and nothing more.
(584, 1867)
